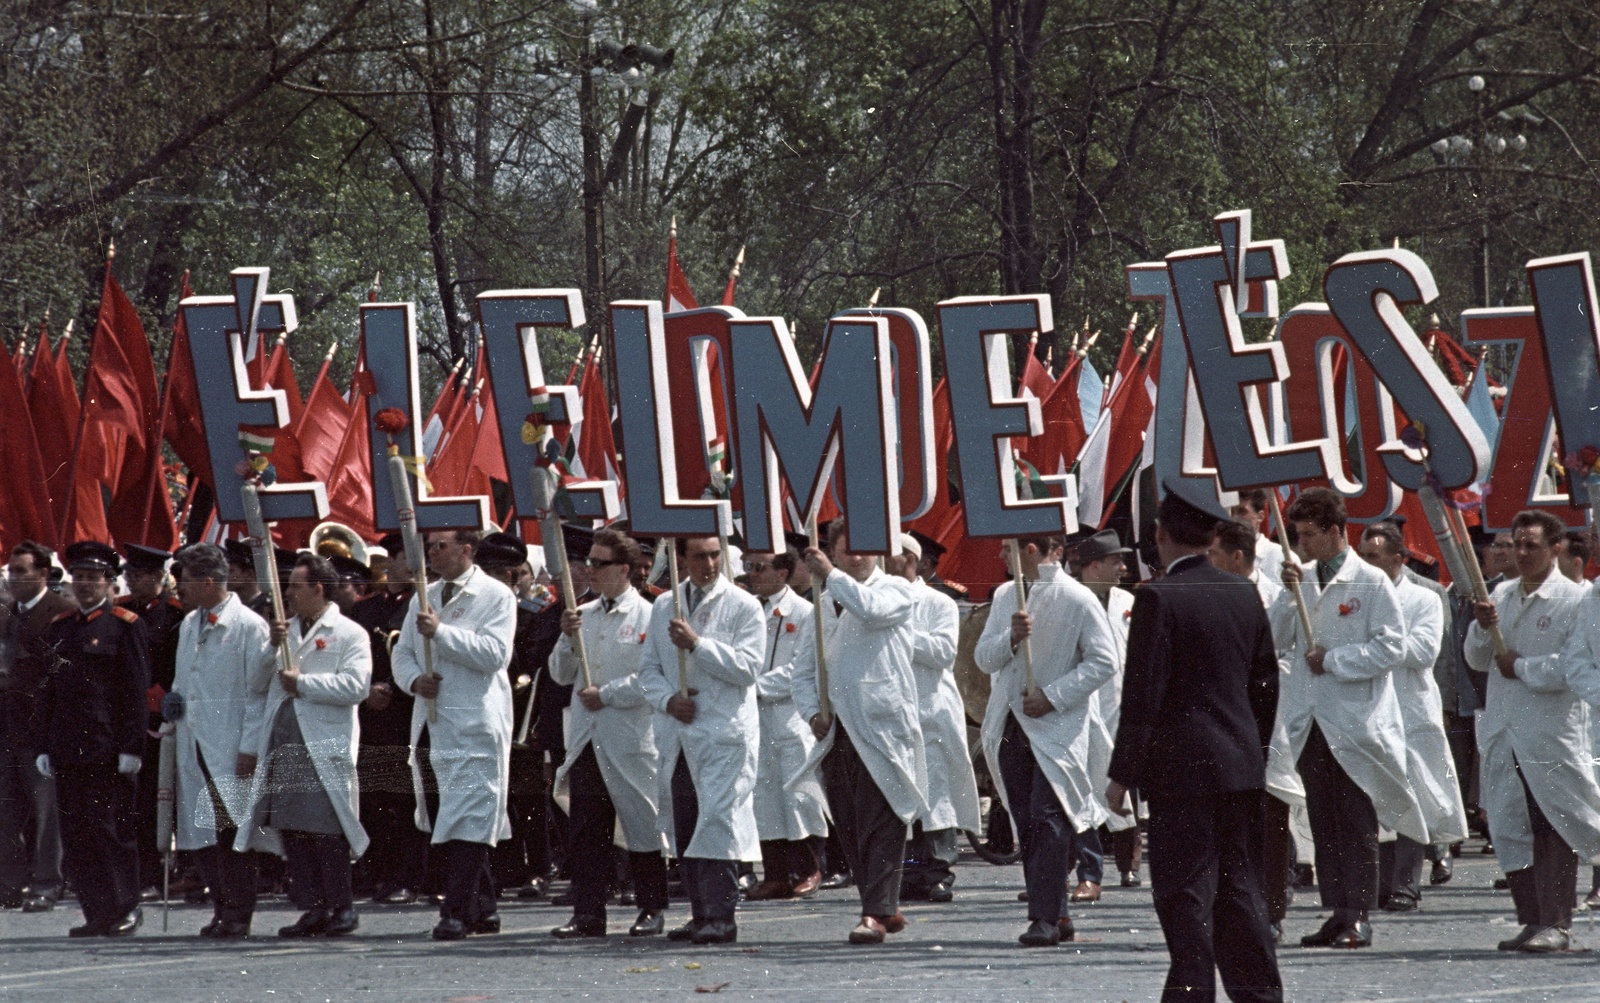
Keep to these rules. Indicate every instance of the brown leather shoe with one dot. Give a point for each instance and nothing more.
(1064, 927)
(868, 931)
(1087, 891)
(770, 889)
(893, 924)
(808, 884)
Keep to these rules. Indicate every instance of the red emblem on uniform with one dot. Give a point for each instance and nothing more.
(1347, 608)
(788, 628)
(211, 618)
(322, 644)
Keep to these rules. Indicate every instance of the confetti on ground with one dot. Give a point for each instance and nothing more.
(692, 966)
(636, 971)
(713, 989)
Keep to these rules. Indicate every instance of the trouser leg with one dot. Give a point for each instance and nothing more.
(713, 885)
(649, 871)
(1128, 849)
(591, 823)
(942, 850)
(775, 860)
(468, 886)
(232, 877)
(1408, 857)
(1344, 826)
(1091, 856)
(305, 871)
(16, 813)
(1241, 937)
(1276, 849)
(1555, 867)
(1183, 881)
(1460, 734)
(333, 865)
(1043, 829)
(97, 833)
(873, 835)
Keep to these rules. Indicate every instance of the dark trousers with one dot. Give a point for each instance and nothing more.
(1544, 892)
(98, 839)
(232, 877)
(930, 857)
(1344, 827)
(1205, 872)
(1128, 848)
(1049, 843)
(398, 854)
(469, 893)
(146, 782)
(526, 855)
(789, 860)
(28, 821)
(1461, 734)
(319, 871)
(872, 836)
(1400, 868)
(712, 885)
(594, 859)
(1091, 856)
(1277, 857)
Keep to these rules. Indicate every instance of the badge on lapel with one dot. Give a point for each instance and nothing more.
(322, 644)
(1544, 622)
(1347, 608)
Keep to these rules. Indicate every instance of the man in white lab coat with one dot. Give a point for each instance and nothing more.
(870, 748)
(1252, 510)
(220, 690)
(1429, 765)
(787, 820)
(708, 731)
(1101, 565)
(461, 762)
(952, 790)
(1037, 740)
(1343, 719)
(611, 770)
(1537, 769)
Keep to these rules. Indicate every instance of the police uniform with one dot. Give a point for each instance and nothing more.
(161, 616)
(91, 728)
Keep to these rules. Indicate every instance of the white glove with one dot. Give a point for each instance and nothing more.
(127, 764)
(42, 764)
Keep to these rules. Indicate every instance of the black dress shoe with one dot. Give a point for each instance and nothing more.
(127, 925)
(38, 903)
(225, 929)
(684, 932)
(310, 924)
(836, 880)
(1040, 933)
(1443, 871)
(649, 924)
(1326, 936)
(342, 922)
(450, 929)
(1357, 934)
(580, 926)
(485, 925)
(941, 892)
(396, 896)
(1400, 903)
(717, 931)
(88, 930)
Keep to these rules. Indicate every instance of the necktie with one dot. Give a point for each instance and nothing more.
(449, 593)
(607, 605)
(695, 595)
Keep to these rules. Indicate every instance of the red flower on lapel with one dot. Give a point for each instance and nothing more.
(1346, 608)
(211, 618)
(641, 637)
(322, 644)
(788, 628)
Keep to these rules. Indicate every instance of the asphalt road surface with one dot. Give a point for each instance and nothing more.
(966, 950)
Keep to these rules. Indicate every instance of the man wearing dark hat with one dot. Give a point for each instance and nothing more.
(1198, 703)
(91, 730)
(146, 574)
(928, 567)
(355, 579)
(242, 580)
(393, 867)
(23, 621)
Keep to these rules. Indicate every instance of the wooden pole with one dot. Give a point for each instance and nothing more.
(266, 567)
(552, 524)
(1480, 588)
(1022, 607)
(824, 705)
(677, 614)
(1288, 555)
(400, 484)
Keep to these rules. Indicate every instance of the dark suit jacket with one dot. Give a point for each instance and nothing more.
(1201, 685)
(20, 685)
(93, 704)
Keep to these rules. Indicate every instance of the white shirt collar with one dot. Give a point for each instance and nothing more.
(31, 603)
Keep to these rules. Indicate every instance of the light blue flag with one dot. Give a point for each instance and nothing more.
(1090, 393)
(1481, 407)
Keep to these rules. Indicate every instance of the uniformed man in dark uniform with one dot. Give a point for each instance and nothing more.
(395, 864)
(355, 582)
(91, 727)
(145, 571)
(928, 568)
(242, 580)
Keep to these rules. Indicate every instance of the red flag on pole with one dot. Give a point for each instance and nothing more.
(733, 278)
(679, 295)
(350, 479)
(54, 411)
(323, 423)
(25, 512)
(452, 461)
(280, 376)
(182, 426)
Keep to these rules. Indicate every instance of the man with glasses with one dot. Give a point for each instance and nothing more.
(611, 770)
(461, 762)
(786, 819)
(1343, 716)
(708, 737)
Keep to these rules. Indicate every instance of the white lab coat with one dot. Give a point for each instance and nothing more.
(1283, 777)
(1118, 612)
(1429, 765)
(1074, 654)
(1537, 721)
(872, 685)
(469, 746)
(952, 791)
(1581, 665)
(1269, 558)
(223, 680)
(1357, 622)
(621, 731)
(335, 661)
(723, 743)
(786, 740)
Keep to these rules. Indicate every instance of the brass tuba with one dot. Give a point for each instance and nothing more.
(330, 538)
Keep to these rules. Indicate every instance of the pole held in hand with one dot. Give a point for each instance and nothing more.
(824, 705)
(1288, 555)
(677, 614)
(1022, 607)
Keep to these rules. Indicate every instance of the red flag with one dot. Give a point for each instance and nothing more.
(974, 563)
(932, 522)
(443, 406)
(679, 296)
(488, 454)
(350, 479)
(52, 411)
(280, 376)
(1131, 407)
(19, 360)
(121, 400)
(597, 450)
(1057, 448)
(452, 461)
(182, 426)
(322, 426)
(1035, 380)
(25, 512)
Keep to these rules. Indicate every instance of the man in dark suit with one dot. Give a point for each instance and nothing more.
(1198, 699)
(27, 799)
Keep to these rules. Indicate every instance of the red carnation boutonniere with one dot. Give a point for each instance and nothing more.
(1127, 614)
(788, 628)
(1345, 608)
(641, 637)
(322, 644)
(211, 618)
